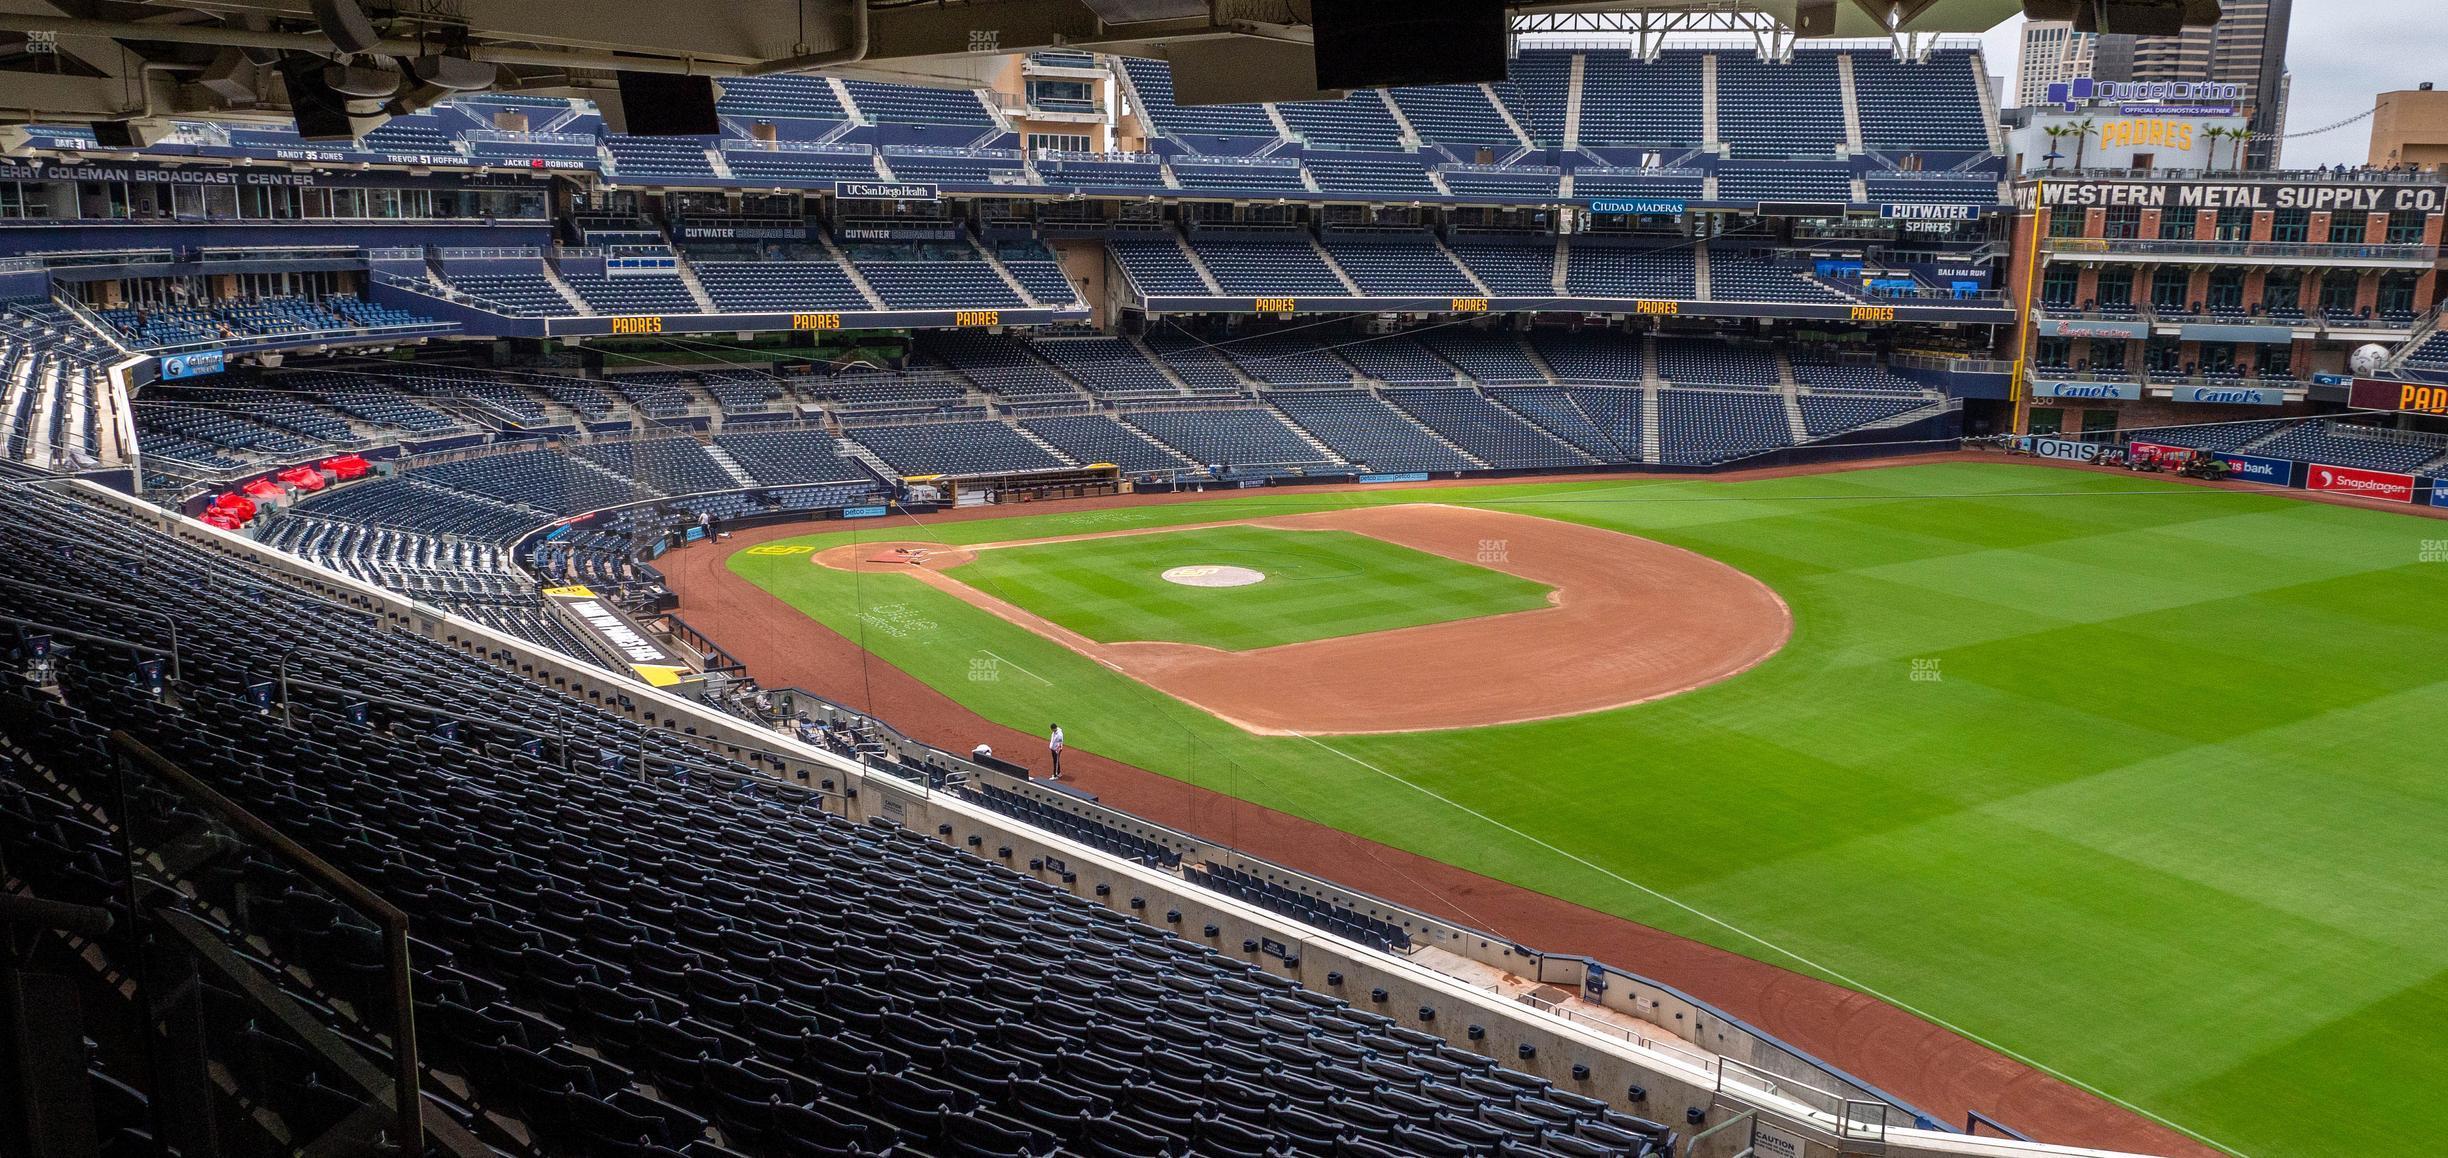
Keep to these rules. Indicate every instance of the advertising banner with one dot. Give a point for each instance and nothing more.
(1638, 206)
(2371, 484)
(196, 365)
(2439, 492)
(1917, 212)
(886, 191)
(2276, 472)
(2409, 397)
(2276, 193)
(2065, 449)
(613, 628)
(2230, 395)
(2257, 335)
(2080, 328)
(2160, 453)
(865, 512)
(2124, 390)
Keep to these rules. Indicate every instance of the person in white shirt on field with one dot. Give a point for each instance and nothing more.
(1054, 745)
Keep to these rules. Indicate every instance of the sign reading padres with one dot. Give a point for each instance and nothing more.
(2408, 397)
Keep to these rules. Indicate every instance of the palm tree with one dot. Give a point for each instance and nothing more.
(2214, 134)
(2085, 127)
(2057, 133)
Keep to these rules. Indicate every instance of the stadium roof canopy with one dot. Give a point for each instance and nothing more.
(98, 60)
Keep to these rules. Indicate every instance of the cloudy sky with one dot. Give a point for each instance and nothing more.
(2342, 53)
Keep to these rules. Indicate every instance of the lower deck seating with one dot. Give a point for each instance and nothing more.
(667, 944)
(1708, 427)
(1243, 440)
(1098, 438)
(956, 448)
(1364, 429)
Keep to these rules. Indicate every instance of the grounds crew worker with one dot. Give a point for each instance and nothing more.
(1054, 745)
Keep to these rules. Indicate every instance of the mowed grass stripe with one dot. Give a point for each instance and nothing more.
(2166, 821)
(1318, 585)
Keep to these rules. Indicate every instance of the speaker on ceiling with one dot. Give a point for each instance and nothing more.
(659, 104)
(322, 111)
(1374, 44)
(129, 134)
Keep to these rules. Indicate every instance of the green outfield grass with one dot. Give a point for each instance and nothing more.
(1319, 585)
(2164, 810)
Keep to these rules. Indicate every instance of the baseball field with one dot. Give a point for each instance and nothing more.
(2139, 783)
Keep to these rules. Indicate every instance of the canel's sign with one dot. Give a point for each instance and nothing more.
(2229, 395)
(2121, 390)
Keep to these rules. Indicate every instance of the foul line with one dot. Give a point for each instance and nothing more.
(1016, 667)
(1773, 947)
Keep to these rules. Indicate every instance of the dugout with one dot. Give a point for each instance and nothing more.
(1091, 481)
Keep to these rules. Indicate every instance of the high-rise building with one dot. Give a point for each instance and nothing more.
(2247, 47)
(2410, 127)
(2052, 53)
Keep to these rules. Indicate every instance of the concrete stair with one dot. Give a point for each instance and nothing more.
(579, 304)
(1852, 104)
(1793, 417)
(730, 466)
(1572, 103)
(1430, 431)
(696, 289)
(1315, 247)
(1651, 441)
(858, 279)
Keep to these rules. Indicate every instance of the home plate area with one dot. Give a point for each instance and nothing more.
(1214, 576)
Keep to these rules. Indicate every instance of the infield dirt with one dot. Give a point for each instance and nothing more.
(1630, 620)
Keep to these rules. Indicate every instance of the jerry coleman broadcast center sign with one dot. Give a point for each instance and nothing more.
(2403, 397)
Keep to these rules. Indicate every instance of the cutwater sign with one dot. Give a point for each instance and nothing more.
(1893, 212)
(196, 365)
(1639, 206)
(2124, 390)
(885, 191)
(2229, 395)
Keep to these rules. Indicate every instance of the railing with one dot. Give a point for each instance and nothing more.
(782, 146)
(175, 831)
(2149, 247)
(1965, 365)
(2290, 176)
(499, 136)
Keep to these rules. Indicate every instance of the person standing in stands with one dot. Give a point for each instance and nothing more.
(1054, 746)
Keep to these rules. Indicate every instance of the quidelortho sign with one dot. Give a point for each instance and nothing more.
(2127, 391)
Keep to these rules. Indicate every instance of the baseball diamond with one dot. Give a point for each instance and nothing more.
(1198, 579)
(1947, 733)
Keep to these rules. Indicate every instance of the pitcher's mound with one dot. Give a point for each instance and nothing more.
(1214, 576)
